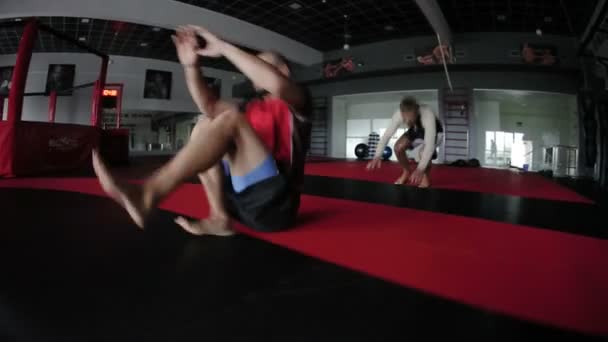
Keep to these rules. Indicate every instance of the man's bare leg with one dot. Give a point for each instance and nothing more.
(218, 222)
(202, 152)
(401, 146)
(426, 179)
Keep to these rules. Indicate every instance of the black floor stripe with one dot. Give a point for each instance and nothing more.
(571, 217)
(75, 269)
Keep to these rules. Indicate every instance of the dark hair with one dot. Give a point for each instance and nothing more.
(409, 104)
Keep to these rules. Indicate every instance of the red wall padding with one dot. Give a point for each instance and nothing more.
(7, 139)
(33, 148)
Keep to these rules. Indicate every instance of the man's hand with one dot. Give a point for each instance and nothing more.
(213, 45)
(186, 46)
(376, 163)
(416, 177)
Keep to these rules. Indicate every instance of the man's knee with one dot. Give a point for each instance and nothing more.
(401, 147)
(230, 119)
(200, 124)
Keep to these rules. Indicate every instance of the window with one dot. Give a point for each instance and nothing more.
(500, 147)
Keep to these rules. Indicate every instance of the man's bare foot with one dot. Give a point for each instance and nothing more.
(129, 196)
(425, 183)
(210, 226)
(402, 179)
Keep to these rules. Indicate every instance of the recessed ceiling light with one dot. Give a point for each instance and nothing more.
(295, 6)
(85, 20)
(144, 44)
(389, 27)
(548, 19)
(324, 1)
(82, 39)
(18, 19)
(501, 17)
(156, 29)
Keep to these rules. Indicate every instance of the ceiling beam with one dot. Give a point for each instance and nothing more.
(599, 14)
(433, 13)
(166, 14)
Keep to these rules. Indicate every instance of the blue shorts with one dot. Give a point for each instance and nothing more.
(267, 169)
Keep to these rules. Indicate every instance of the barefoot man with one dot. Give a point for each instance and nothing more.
(250, 162)
(424, 133)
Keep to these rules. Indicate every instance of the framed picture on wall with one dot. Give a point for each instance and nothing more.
(158, 85)
(540, 54)
(60, 78)
(338, 67)
(215, 84)
(431, 55)
(6, 75)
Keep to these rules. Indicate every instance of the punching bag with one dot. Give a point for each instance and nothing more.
(586, 104)
(372, 143)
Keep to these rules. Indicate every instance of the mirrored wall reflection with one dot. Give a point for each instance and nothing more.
(371, 113)
(516, 128)
(155, 133)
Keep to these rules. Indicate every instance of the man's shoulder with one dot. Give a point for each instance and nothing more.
(426, 107)
(426, 110)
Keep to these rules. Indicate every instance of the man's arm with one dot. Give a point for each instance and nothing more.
(265, 75)
(429, 123)
(396, 121)
(258, 71)
(204, 99)
(186, 46)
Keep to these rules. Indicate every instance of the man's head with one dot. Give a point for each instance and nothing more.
(158, 78)
(276, 60)
(410, 110)
(6, 74)
(56, 73)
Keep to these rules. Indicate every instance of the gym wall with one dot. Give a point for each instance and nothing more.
(472, 48)
(130, 71)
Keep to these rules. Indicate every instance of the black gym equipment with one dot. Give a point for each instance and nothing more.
(361, 151)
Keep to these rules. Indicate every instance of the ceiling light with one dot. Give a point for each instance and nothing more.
(144, 44)
(295, 6)
(18, 19)
(346, 46)
(539, 32)
(324, 1)
(85, 20)
(156, 29)
(389, 27)
(501, 17)
(82, 39)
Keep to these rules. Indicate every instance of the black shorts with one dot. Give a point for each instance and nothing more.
(267, 206)
(414, 137)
